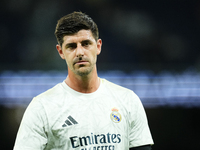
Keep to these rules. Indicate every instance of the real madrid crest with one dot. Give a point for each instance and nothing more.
(115, 116)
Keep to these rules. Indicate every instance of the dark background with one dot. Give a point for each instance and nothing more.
(140, 35)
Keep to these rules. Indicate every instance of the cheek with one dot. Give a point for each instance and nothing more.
(67, 59)
(94, 53)
(69, 56)
(94, 57)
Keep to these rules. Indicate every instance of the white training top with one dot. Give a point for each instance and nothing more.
(111, 118)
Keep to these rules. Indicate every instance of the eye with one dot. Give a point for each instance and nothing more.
(86, 43)
(71, 46)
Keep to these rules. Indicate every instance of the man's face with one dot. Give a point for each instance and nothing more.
(80, 52)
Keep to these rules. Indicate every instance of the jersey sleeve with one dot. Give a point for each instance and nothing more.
(31, 134)
(138, 126)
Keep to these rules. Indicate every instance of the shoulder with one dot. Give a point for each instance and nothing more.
(117, 89)
(56, 90)
(47, 98)
(125, 95)
(114, 86)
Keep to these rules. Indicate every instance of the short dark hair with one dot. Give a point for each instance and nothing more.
(73, 23)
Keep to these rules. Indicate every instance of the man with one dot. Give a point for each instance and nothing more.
(84, 112)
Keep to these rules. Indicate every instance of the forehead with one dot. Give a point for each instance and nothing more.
(78, 37)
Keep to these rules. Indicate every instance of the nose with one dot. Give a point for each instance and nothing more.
(79, 50)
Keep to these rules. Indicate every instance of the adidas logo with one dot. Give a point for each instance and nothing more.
(70, 121)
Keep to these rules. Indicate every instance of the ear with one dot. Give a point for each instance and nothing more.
(99, 44)
(59, 48)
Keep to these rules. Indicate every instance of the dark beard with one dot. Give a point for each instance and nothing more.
(84, 73)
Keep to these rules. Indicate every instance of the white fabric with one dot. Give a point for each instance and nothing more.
(43, 126)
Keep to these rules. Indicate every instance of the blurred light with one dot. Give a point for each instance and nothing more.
(165, 89)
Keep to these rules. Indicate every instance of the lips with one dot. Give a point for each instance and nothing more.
(81, 62)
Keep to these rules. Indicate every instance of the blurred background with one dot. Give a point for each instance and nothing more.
(151, 47)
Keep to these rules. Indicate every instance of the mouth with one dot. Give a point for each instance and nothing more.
(81, 62)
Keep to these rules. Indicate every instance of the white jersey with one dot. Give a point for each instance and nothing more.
(111, 118)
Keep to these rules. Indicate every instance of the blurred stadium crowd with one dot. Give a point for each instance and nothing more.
(157, 34)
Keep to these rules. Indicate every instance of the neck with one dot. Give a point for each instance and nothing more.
(83, 84)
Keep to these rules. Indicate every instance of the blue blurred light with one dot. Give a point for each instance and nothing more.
(165, 89)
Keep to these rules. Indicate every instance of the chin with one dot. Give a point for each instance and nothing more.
(84, 71)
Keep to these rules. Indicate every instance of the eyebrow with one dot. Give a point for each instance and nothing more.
(84, 41)
(69, 45)
(73, 44)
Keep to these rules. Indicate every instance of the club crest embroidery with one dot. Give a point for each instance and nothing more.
(115, 116)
